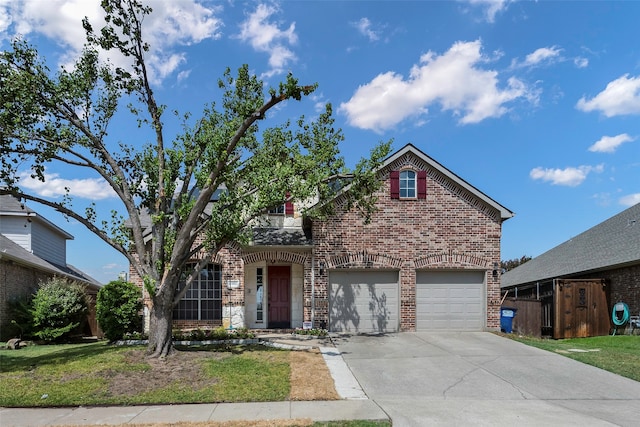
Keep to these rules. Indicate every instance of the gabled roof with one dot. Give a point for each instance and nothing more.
(410, 148)
(11, 251)
(10, 206)
(610, 244)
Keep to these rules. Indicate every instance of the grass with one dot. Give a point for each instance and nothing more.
(100, 374)
(619, 354)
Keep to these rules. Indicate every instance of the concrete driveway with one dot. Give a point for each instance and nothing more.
(479, 378)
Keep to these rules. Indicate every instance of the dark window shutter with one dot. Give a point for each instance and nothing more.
(422, 184)
(394, 176)
(288, 206)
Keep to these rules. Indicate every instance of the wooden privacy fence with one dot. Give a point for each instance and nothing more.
(561, 308)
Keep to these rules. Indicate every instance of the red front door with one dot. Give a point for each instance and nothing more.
(279, 296)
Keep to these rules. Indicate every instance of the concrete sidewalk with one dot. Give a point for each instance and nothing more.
(317, 411)
(354, 406)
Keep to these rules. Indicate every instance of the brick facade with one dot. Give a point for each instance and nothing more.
(16, 282)
(449, 229)
(453, 227)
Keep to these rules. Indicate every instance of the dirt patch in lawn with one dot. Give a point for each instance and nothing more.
(181, 366)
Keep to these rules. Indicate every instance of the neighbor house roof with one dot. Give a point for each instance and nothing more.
(10, 206)
(610, 244)
(11, 251)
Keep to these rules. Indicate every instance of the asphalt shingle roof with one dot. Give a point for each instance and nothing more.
(10, 204)
(614, 242)
(14, 252)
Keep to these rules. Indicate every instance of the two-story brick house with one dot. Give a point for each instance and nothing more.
(33, 250)
(428, 260)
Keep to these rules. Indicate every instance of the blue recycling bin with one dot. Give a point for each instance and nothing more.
(506, 319)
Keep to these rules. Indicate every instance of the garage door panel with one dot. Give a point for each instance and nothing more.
(450, 300)
(363, 302)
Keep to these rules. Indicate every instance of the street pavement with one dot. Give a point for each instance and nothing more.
(482, 379)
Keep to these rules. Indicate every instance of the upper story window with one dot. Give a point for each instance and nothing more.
(408, 184)
(284, 209)
(278, 210)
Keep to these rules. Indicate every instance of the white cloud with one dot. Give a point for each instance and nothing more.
(54, 186)
(630, 199)
(543, 54)
(581, 62)
(5, 17)
(183, 75)
(609, 144)
(364, 26)
(491, 7)
(453, 79)
(620, 97)
(265, 36)
(171, 24)
(570, 176)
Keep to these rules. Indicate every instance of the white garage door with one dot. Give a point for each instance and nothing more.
(363, 301)
(450, 300)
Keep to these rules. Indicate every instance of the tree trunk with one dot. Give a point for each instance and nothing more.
(160, 328)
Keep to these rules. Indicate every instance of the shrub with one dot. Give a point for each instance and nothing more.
(314, 332)
(59, 307)
(118, 308)
(19, 310)
(217, 334)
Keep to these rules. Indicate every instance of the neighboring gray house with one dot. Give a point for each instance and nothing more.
(610, 251)
(32, 250)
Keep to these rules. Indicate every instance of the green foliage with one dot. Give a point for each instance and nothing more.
(49, 118)
(217, 334)
(312, 332)
(118, 307)
(19, 311)
(59, 307)
(510, 264)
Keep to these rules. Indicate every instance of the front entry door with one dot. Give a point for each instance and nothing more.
(279, 296)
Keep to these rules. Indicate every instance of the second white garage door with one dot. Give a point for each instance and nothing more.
(450, 300)
(363, 301)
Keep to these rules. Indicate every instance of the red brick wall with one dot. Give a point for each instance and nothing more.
(450, 229)
(229, 258)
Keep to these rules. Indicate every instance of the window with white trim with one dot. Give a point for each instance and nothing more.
(203, 300)
(407, 184)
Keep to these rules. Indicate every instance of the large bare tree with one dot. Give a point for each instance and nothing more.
(65, 117)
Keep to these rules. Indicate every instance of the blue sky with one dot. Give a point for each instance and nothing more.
(536, 104)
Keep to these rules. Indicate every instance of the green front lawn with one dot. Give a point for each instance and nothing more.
(100, 374)
(619, 354)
